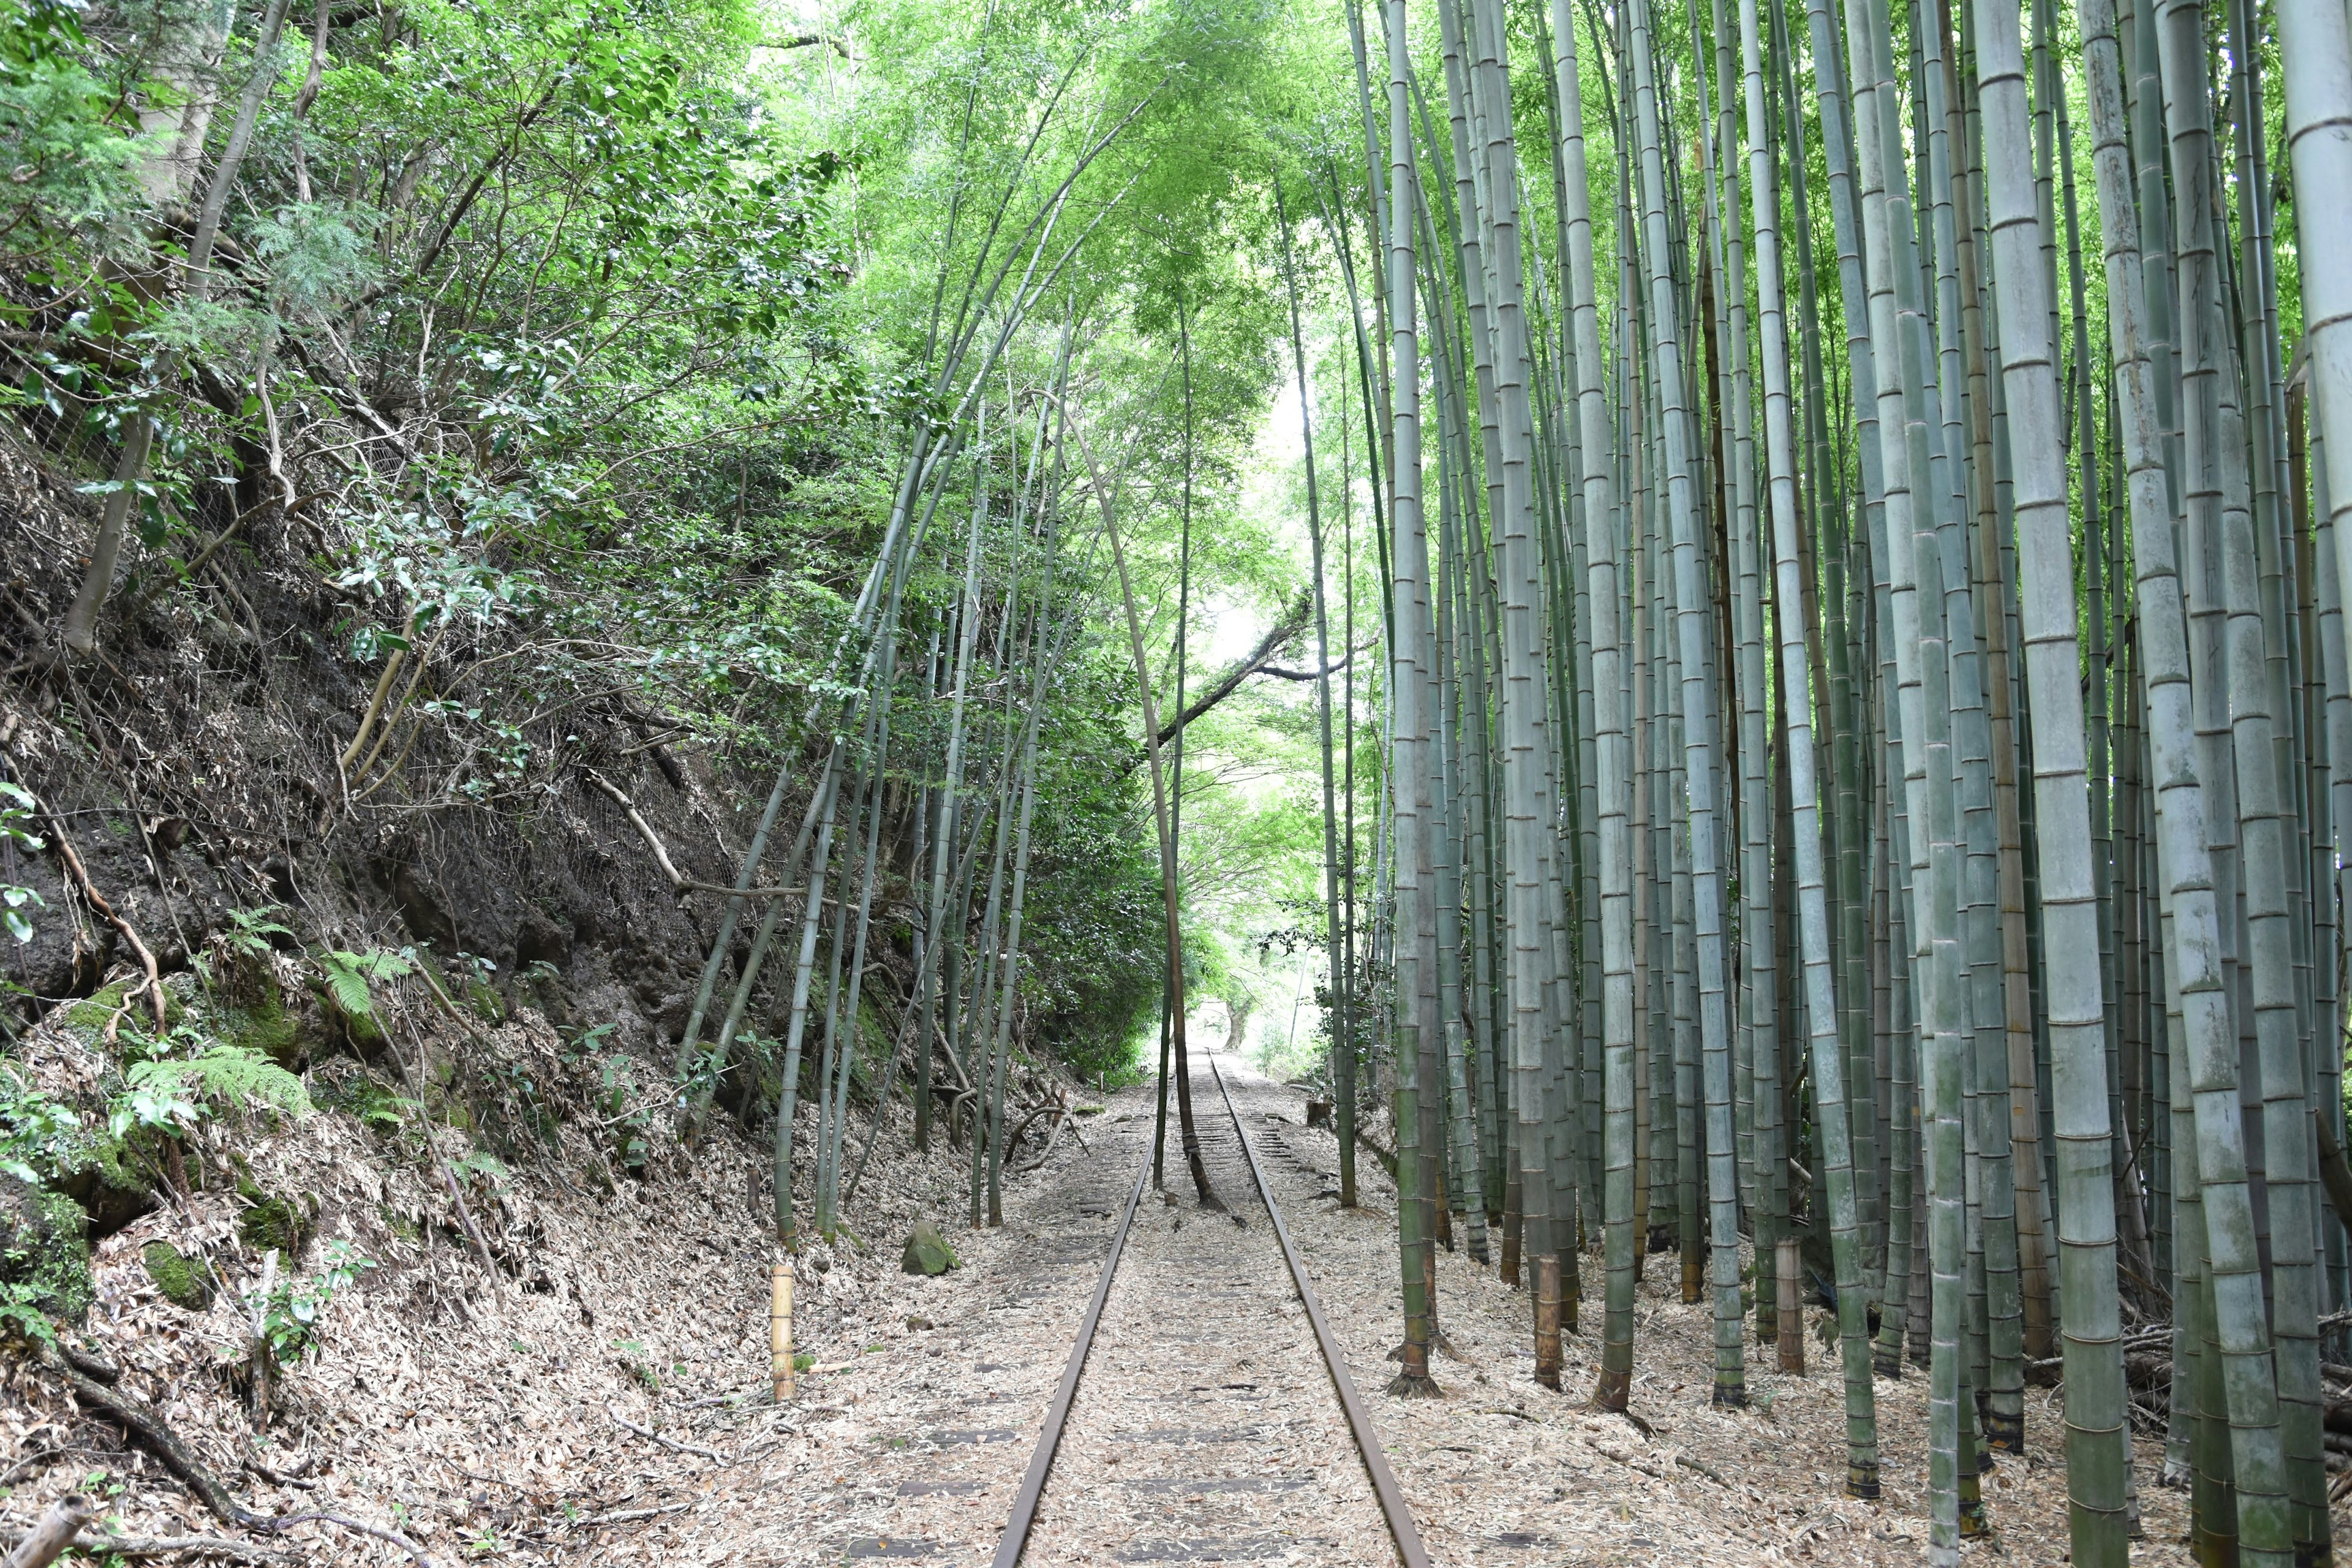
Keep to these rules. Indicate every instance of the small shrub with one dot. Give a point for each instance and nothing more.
(292, 1309)
(232, 1075)
(16, 812)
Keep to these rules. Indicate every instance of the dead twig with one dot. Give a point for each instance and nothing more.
(448, 1177)
(95, 1543)
(152, 987)
(1709, 1472)
(393, 1537)
(678, 879)
(669, 1443)
(624, 1516)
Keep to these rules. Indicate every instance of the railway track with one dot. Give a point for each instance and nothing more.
(1205, 1413)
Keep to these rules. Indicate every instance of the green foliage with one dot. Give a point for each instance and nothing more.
(15, 811)
(622, 1109)
(38, 1134)
(636, 1361)
(62, 138)
(290, 1313)
(44, 1249)
(652, 311)
(247, 933)
(23, 1315)
(351, 978)
(167, 1092)
(264, 1027)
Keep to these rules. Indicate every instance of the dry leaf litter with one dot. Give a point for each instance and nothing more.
(607, 1400)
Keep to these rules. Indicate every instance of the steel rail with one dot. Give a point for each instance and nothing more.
(1360, 1422)
(1401, 1530)
(1041, 1460)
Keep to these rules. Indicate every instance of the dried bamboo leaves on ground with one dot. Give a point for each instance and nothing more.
(1503, 1470)
(486, 1422)
(915, 1452)
(606, 1403)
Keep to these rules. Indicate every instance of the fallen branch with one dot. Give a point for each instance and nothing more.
(392, 1537)
(678, 879)
(669, 1443)
(1709, 1472)
(1021, 1127)
(2146, 1339)
(151, 1432)
(94, 1543)
(625, 1516)
(152, 987)
(1630, 1463)
(90, 1364)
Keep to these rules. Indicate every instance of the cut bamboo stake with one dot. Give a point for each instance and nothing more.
(1789, 1264)
(780, 1327)
(54, 1533)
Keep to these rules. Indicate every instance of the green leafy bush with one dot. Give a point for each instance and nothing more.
(291, 1310)
(38, 1134)
(44, 1248)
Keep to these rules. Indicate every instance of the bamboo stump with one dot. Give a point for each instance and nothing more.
(780, 1327)
(54, 1533)
(1789, 1258)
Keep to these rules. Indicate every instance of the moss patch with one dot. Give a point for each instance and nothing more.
(485, 1001)
(91, 1013)
(185, 1281)
(44, 1245)
(269, 1222)
(264, 1027)
(927, 1251)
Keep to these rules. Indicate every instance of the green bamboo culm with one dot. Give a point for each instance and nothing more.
(1830, 1099)
(2097, 1434)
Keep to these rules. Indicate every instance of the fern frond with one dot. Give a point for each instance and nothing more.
(232, 1074)
(348, 973)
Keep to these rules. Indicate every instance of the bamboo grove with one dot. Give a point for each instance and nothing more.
(1883, 795)
(1860, 688)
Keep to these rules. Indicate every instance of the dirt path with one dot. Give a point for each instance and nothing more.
(913, 1453)
(1207, 1428)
